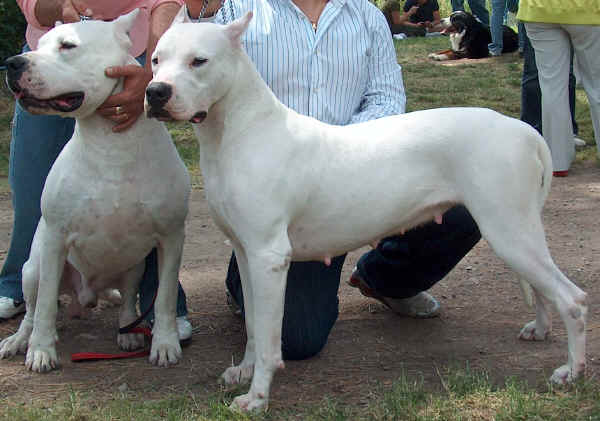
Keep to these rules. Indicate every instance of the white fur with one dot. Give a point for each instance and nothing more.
(286, 187)
(108, 200)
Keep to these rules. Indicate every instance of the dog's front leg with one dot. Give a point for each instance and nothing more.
(17, 343)
(166, 349)
(243, 372)
(268, 270)
(41, 353)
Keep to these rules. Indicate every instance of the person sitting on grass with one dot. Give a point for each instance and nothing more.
(419, 17)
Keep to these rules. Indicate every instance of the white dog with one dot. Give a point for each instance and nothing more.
(108, 200)
(286, 187)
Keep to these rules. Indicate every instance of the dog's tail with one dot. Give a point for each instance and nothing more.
(544, 161)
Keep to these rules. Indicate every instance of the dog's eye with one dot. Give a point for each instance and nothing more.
(155, 61)
(67, 45)
(197, 62)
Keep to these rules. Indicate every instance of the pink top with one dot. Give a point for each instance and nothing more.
(109, 9)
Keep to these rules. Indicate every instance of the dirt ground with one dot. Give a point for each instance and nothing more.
(482, 313)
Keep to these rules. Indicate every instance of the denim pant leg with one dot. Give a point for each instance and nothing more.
(403, 266)
(36, 142)
(311, 305)
(149, 287)
(498, 10)
(480, 10)
(531, 95)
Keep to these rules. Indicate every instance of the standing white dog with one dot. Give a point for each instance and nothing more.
(109, 198)
(286, 187)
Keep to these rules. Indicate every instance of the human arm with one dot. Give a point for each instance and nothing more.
(384, 94)
(136, 78)
(404, 18)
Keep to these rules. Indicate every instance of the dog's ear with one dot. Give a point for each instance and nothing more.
(182, 16)
(236, 28)
(122, 26)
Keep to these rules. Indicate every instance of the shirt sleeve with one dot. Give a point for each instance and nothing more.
(384, 94)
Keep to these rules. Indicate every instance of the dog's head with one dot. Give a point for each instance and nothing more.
(458, 21)
(193, 65)
(65, 75)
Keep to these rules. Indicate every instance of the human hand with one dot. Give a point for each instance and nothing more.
(48, 12)
(72, 9)
(125, 107)
(413, 10)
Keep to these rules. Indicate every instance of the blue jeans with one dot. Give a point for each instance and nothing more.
(531, 95)
(400, 267)
(498, 11)
(311, 304)
(477, 8)
(403, 266)
(36, 142)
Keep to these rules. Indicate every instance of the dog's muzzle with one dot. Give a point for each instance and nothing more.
(15, 66)
(158, 94)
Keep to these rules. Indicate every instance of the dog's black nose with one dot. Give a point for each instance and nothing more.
(158, 94)
(15, 66)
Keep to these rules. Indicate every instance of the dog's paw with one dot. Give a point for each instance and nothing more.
(41, 359)
(565, 374)
(238, 374)
(165, 352)
(130, 341)
(249, 402)
(533, 332)
(14, 345)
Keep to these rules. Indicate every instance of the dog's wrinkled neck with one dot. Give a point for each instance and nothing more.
(259, 104)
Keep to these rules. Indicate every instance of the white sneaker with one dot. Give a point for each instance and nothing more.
(9, 308)
(578, 141)
(184, 328)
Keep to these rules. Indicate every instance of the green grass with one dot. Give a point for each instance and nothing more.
(464, 395)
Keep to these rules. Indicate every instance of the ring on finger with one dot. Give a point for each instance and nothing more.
(118, 110)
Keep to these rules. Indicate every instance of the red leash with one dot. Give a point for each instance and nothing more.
(95, 356)
(130, 328)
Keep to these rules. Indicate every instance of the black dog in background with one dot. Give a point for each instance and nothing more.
(469, 38)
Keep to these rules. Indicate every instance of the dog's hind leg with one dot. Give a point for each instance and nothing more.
(17, 343)
(243, 372)
(165, 349)
(538, 329)
(518, 238)
(268, 267)
(127, 313)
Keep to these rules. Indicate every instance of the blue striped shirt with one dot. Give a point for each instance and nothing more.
(345, 72)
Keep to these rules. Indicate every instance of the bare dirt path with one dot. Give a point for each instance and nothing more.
(482, 314)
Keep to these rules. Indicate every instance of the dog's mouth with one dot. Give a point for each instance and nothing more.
(198, 117)
(64, 103)
(160, 114)
(449, 29)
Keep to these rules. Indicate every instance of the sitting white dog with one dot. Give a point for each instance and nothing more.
(109, 199)
(286, 187)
